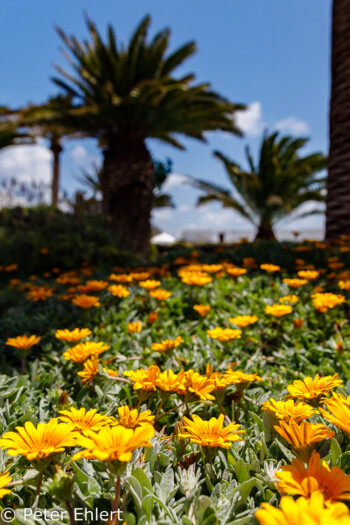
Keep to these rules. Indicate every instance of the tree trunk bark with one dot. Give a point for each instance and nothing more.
(338, 184)
(265, 232)
(127, 183)
(56, 149)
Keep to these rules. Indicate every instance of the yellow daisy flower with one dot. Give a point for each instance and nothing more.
(115, 443)
(23, 342)
(211, 433)
(38, 442)
(5, 479)
(82, 420)
(72, 336)
(83, 351)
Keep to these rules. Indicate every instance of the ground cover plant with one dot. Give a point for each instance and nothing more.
(208, 387)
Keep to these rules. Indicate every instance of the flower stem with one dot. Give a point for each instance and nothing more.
(38, 487)
(70, 513)
(23, 365)
(116, 501)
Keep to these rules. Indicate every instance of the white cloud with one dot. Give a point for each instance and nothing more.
(293, 125)
(174, 180)
(79, 153)
(26, 163)
(250, 121)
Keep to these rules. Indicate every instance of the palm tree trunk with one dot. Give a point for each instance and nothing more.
(338, 184)
(127, 182)
(56, 149)
(265, 232)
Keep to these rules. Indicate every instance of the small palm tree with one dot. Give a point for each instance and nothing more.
(9, 134)
(279, 183)
(125, 95)
(45, 121)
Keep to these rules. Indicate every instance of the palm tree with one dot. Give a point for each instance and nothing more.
(9, 134)
(44, 121)
(279, 183)
(338, 183)
(92, 180)
(125, 95)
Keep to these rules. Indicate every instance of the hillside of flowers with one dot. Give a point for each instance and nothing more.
(206, 388)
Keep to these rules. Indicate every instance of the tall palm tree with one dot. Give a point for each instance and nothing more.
(92, 180)
(338, 184)
(45, 121)
(279, 183)
(125, 95)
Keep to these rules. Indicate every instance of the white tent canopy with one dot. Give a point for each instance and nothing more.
(163, 239)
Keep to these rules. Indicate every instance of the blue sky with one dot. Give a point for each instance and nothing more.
(271, 54)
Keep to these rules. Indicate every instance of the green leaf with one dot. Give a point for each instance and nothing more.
(135, 491)
(335, 451)
(241, 471)
(203, 504)
(244, 490)
(147, 506)
(144, 481)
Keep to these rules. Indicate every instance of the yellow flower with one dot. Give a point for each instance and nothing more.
(92, 286)
(339, 408)
(132, 418)
(5, 479)
(295, 283)
(302, 437)
(236, 272)
(289, 410)
(224, 334)
(308, 274)
(122, 278)
(212, 268)
(323, 301)
(38, 442)
(271, 268)
(278, 310)
(243, 320)
(83, 351)
(168, 381)
(292, 299)
(113, 443)
(296, 479)
(144, 379)
(304, 511)
(90, 370)
(167, 344)
(82, 420)
(310, 389)
(23, 342)
(196, 278)
(72, 336)
(39, 293)
(118, 290)
(160, 294)
(344, 285)
(211, 433)
(134, 327)
(202, 309)
(86, 301)
(150, 284)
(140, 276)
(238, 377)
(198, 385)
